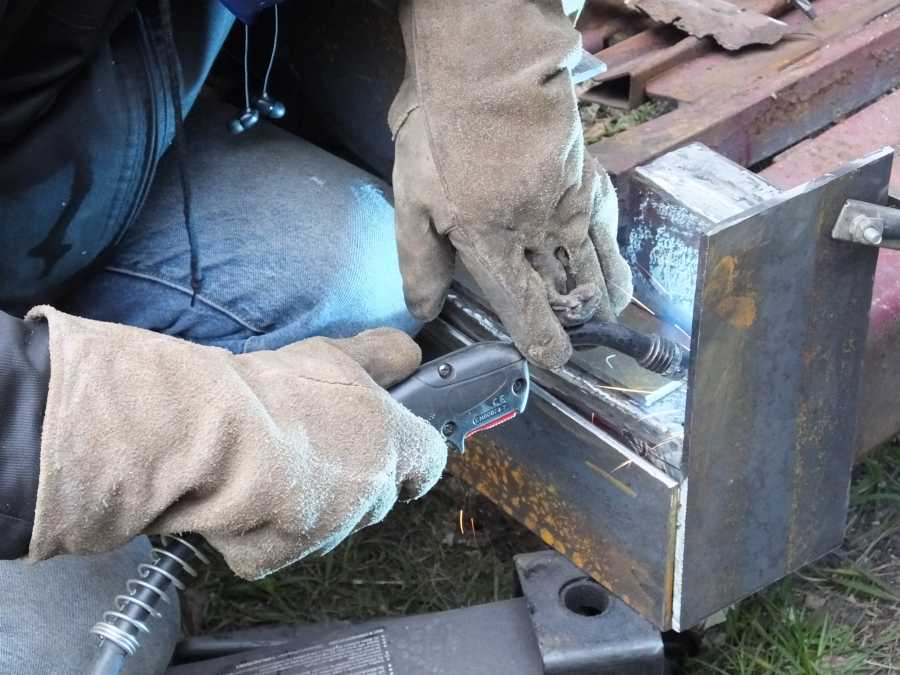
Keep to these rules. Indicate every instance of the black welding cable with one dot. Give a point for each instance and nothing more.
(651, 351)
(181, 151)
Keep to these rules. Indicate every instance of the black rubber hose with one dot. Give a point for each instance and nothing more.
(174, 563)
(653, 352)
(891, 231)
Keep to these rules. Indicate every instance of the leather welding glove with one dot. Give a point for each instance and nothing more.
(271, 456)
(491, 167)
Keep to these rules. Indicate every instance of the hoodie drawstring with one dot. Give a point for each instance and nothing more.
(180, 142)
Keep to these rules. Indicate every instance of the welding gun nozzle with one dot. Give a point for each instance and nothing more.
(653, 352)
(665, 357)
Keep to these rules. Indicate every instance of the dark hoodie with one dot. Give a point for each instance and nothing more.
(86, 110)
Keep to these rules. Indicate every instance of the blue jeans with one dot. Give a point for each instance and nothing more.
(293, 242)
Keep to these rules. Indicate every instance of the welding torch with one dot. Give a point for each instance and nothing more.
(654, 352)
(462, 393)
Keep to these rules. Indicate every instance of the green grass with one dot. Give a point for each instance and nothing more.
(416, 561)
(600, 122)
(838, 617)
(777, 632)
(841, 616)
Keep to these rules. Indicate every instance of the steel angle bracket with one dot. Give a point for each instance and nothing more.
(779, 333)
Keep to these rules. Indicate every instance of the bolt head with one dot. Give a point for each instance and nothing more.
(448, 429)
(445, 370)
(867, 229)
(872, 235)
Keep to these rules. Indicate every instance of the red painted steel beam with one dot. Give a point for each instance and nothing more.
(635, 61)
(791, 90)
(879, 414)
(599, 22)
(870, 129)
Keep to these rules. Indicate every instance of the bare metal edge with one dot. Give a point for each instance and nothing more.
(849, 167)
(571, 375)
(573, 417)
(678, 562)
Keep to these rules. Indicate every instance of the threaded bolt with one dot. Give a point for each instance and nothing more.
(867, 229)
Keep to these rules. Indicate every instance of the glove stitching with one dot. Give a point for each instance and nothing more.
(338, 384)
(420, 92)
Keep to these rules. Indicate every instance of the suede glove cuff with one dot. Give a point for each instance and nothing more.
(270, 456)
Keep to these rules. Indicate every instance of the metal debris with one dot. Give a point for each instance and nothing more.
(730, 26)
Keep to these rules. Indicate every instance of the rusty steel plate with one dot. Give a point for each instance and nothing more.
(608, 510)
(780, 323)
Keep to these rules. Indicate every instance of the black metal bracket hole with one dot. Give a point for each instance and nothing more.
(584, 597)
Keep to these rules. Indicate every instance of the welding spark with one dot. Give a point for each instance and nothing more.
(658, 414)
(634, 299)
(669, 439)
(472, 525)
(625, 389)
(462, 529)
(683, 331)
(627, 462)
(652, 279)
(643, 306)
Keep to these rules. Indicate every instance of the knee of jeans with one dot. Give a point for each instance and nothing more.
(121, 296)
(354, 280)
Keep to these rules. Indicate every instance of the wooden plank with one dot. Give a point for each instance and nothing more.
(786, 101)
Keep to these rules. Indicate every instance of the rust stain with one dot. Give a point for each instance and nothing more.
(547, 536)
(532, 500)
(808, 355)
(738, 310)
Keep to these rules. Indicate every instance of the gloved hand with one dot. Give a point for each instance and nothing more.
(271, 456)
(491, 165)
